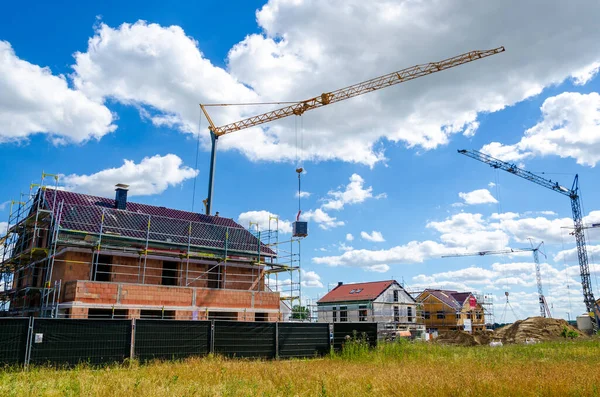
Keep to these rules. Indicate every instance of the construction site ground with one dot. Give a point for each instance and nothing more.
(530, 330)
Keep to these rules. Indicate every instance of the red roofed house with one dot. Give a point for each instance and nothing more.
(382, 302)
(75, 255)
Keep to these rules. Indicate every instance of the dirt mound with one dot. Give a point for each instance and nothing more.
(464, 338)
(534, 329)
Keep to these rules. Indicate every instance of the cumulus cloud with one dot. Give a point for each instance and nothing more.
(265, 220)
(425, 113)
(375, 236)
(480, 196)
(310, 279)
(160, 70)
(302, 194)
(153, 175)
(35, 101)
(570, 255)
(465, 233)
(378, 268)
(3, 228)
(323, 219)
(349, 237)
(570, 127)
(344, 247)
(353, 193)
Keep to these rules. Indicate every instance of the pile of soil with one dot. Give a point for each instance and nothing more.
(464, 338)
(533, 329)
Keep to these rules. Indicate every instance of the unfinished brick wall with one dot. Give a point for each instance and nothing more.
(155, 296)
(241, 278)
(71, 266)
(126, 269)
(195, 270)
(91, 292)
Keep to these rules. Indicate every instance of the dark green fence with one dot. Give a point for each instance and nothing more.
(171, 339)
(245, 339)
(345, 331)
(303, 339)
(67, 342)
(13, 340)
(70, 341)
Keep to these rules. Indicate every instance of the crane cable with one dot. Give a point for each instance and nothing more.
(299, 168)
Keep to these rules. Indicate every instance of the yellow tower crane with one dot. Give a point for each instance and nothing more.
(327, 98)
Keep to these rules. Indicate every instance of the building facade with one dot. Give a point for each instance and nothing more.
(78, 256)
(445, 310)
(383, 302)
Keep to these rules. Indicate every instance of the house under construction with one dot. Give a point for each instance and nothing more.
(73, 255)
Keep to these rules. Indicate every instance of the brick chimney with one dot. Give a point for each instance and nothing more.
(121, 196)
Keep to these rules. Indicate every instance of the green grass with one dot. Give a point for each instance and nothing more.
(394, 369)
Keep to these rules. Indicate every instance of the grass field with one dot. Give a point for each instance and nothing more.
(569, 368)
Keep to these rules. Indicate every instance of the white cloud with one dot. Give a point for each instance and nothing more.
(163, 73)
(302, 194)
(310, 279)
(480, 196)
(375, 236)
(265, 220)
(323, 219)
(425, 113)
(33, 100)
(491, 184)
(353, 193)
(570, 127)
(570, 255)
(378, 268)
(463, 233)
(349, 237)
(160, 71)
(413, 252)
(504, 215)
(153, 175)
(584, 75)
(344, 247)
(3, 228)
(4, 205)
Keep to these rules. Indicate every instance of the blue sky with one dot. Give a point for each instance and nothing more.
(385, 162)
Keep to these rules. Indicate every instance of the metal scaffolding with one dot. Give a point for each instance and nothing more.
(123, 247)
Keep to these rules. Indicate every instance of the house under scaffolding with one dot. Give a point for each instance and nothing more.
(67, 254)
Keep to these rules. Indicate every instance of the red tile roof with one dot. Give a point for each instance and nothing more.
(82, 212)
(356, 292)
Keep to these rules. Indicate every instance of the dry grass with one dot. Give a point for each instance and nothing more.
(567, 368)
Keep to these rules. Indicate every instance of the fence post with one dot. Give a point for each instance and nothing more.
(212, 337)
(132, 344)
(29, 343)
(277, 340)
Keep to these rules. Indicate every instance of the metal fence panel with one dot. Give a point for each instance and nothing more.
(171, 339)
(343, 331)
(244, 339)
(70, 341)
(303, 339)
(13, 340)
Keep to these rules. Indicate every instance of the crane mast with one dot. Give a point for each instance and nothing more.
(573, 193)
(328, 98)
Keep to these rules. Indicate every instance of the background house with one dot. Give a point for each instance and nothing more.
(75, 255)
(445, 310)
(383, 302)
